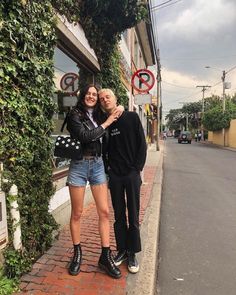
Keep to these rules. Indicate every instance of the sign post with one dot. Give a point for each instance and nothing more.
(142, 81)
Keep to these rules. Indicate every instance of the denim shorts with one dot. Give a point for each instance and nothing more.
(86, 170)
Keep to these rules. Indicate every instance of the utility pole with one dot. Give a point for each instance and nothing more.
(204, 88)
(223, 81)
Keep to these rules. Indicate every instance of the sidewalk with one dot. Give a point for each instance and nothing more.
(49, 274)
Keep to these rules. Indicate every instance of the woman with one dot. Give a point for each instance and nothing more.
(84, 124)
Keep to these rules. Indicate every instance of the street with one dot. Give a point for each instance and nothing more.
(197, 250)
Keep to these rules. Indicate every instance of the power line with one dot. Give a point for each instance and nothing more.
(177, 85)
(164, 6)
(184, 98)
(197, 58)
(233, 68)
(161, 4)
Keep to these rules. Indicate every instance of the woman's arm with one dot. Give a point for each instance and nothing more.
(82, 131)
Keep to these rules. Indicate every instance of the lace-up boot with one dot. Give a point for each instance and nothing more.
(107, 263)
(74, 267)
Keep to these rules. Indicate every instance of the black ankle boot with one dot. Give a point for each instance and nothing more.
(106, 263)
(74, 267)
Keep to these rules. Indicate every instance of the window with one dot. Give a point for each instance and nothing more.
(63, 64)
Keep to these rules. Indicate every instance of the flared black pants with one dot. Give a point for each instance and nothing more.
(125, 194)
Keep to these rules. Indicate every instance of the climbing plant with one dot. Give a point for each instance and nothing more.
(27, 42)
(26, 100)
(103, 22)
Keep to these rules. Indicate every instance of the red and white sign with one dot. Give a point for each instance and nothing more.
(70, 83)
(143, 80)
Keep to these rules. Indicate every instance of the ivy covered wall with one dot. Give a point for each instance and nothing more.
(27, 42)
(26, 100)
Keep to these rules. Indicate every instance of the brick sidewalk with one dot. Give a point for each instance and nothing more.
(49, 274)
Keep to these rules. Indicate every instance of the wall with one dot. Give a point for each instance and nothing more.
(232, 134)
(217, 137)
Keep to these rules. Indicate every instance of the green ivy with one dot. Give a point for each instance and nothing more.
(103, 23)
(27, 42)
(7, 286)
(27, 46)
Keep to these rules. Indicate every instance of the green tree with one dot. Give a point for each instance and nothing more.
(215, 119)
(192, 110)
(174, 119)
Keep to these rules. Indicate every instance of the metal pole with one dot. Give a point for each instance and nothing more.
(187, 121)
(158, 116)
(204, 88)
(223, 81)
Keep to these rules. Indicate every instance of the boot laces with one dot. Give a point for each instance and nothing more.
(110, 259)
(77, 255)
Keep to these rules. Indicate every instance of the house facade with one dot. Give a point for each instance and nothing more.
(72, 53)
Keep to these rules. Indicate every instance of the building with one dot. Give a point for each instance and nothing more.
(73, 53)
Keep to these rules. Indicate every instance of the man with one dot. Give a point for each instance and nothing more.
(126, 151)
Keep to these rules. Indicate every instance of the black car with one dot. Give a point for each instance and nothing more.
(185, 136)
(177, 133)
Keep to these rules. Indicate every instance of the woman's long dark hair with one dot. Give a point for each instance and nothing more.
(98, 114)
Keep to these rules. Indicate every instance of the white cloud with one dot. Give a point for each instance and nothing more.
(193, 34)
(205, 17)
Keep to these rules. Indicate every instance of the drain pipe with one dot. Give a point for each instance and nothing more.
(15, 214)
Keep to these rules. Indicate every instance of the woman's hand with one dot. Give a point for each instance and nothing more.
(112, 118)
(119, 110)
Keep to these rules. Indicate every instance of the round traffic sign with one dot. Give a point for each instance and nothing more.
(70, 83)
(143, 80)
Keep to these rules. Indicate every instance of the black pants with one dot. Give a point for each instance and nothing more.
(127, 234)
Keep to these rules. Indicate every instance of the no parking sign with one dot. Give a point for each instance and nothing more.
(70, 83)
(143, 80)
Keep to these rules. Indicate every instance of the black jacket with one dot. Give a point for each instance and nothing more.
(81, 127)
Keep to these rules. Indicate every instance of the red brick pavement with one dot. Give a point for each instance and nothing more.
(49, 274)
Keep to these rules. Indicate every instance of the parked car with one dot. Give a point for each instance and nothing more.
(177, 133)
(185, 136)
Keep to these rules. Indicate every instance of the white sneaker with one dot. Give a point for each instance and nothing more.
(133, 265)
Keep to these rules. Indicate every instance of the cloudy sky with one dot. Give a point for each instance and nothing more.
(193, 34)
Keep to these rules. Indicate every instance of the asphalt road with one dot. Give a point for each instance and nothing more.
(197, 248)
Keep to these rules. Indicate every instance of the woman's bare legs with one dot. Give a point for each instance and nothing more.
(106, 262)
(100, 195)
(77, 204)
(77, 200)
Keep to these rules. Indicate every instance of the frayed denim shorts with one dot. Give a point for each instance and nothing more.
(86, 170)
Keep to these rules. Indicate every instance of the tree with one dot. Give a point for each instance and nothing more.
(174, 119)
(215, 119)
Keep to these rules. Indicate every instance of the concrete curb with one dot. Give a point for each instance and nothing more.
(218, 145)
(144, 282)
